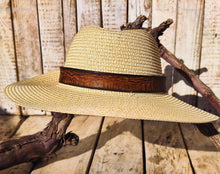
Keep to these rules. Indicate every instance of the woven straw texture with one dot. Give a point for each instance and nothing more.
(122, 52)
(94, 49)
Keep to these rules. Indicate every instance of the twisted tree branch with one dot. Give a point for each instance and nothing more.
(32, 147)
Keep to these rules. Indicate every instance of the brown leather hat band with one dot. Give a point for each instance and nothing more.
(111, 81)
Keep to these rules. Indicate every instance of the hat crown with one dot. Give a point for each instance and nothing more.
(122, 52)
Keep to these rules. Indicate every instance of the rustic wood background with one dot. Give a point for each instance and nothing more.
(34, 39)
(35, 36)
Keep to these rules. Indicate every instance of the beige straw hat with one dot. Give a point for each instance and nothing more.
(103, 58)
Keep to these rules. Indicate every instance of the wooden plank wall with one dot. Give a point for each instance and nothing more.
(35, 36)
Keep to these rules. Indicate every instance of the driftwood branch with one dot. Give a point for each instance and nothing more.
(201, 87)
(32, 147)
(207, 129)
(137, 24)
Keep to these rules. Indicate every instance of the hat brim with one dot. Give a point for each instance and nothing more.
(45, 93)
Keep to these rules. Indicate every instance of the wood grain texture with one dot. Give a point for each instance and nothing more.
(188, 45)
(31, 125)
(119, 148)
(7, 58)
(210, 55)
(140, 7)
(8, 125)
(114, 13)
(69, 21)
(161, 11)
(51, 34)
(164, 147)
(207, 159)
(26, 38)
(73, 159)
(24, 168)
(203, 154)
(188, 48)
(88, 13)
(27, 42)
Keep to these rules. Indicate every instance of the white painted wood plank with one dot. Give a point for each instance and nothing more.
(203, 154)
(8, 125)
(7, 58)
(26, 38)
(32, 125)
(140, 7)
(73, 159)
(210, 55)
(188, 45)
(114, 13)
(161, 11)
(119, 148)
(88, 13)
(69, 18)
(51, 32)
(205, 158)
(27, 43)
(188, 48)
(164, 147)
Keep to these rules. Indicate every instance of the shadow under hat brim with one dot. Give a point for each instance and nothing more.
(45, 93)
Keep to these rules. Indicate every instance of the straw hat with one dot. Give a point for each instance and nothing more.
(107, 73)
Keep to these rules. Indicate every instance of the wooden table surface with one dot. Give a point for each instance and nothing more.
(114, 145)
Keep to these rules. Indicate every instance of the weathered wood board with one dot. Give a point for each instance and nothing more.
(8, 72)
(161, 11)
(27, 44)
(114, 13)
(164, 147)
(119, 149)
(73, 158)
(203, 154)
(69, 22)
(8, 125)
(18, 169)
(210, 53)
(188, 46)
(35, 37)
(88, 13)
(51, 34)
(31, 125)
